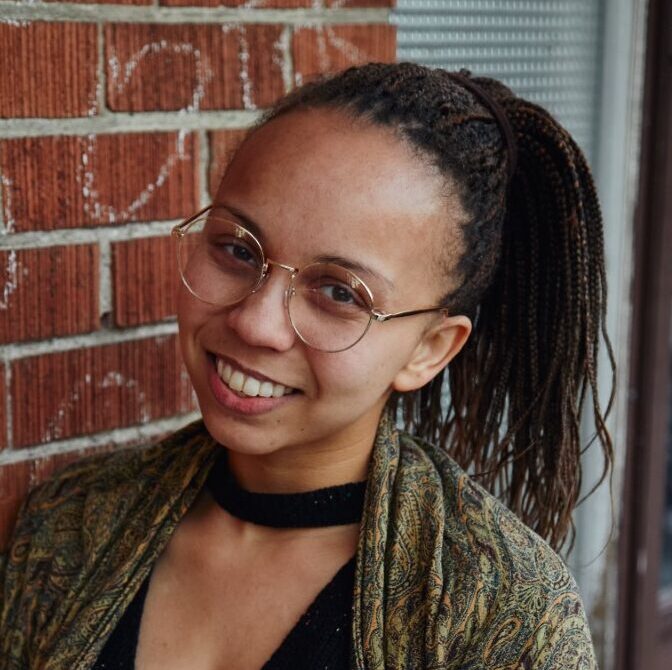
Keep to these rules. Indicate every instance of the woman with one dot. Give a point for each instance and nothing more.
(372, 226)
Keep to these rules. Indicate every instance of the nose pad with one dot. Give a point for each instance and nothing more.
(289, 292)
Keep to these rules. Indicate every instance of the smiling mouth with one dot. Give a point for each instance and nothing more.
(246, 385)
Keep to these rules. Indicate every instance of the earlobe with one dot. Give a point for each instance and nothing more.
(439, 345)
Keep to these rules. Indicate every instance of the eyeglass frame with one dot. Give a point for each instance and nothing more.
(180, 230)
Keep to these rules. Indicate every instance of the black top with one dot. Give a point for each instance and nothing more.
(321, 637)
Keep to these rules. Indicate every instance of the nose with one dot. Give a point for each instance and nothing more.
(261, 319)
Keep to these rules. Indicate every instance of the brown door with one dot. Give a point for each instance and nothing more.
(645, 609)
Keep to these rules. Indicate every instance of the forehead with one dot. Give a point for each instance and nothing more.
(318, 183)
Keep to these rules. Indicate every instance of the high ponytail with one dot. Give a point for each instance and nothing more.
(532, 279)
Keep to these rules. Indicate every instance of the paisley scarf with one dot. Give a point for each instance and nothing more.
(446, 577)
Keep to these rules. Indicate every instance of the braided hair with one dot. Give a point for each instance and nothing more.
(532, 280)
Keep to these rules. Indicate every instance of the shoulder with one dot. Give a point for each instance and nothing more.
(104, 472)
(86, 521)
(477, 518)
(524, 589)
(96, 490)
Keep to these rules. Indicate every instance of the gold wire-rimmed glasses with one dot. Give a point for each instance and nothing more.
(221, 263)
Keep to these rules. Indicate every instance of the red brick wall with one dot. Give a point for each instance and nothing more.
(116, 122)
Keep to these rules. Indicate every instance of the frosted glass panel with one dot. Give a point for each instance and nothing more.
(546, 50)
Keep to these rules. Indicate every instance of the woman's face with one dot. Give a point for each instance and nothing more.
(316, 184)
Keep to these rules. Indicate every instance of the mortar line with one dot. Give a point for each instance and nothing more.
(171, 15)
(125, 122)
(66, 236)
(101, 83)
(204, 167)
(9, 419)
(105, 279)
(288, 58)
(3, 231)
(17, 350)
(146, 431)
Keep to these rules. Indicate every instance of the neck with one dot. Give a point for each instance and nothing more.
(307, 467)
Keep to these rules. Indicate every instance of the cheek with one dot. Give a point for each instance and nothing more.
(192, 314)
(367, 369)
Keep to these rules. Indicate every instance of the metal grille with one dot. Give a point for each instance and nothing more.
(547, 51)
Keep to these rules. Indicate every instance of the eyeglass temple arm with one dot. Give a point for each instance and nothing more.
(181, 226)
(382, 316)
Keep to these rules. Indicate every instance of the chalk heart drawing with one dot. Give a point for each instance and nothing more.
(121, 76)
(326, 36)
(112, 379)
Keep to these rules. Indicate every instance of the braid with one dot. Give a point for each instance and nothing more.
(532, 279)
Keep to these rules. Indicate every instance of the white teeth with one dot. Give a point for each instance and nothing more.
(251, 386)
(247, 384)
(237, 381)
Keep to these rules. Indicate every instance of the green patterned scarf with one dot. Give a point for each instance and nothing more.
(446, 577)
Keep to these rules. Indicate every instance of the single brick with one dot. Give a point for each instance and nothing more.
(145, 279)
(332, 48)
(48, 69)
(48, 292)
(70, 181)
(93, 389)
(223, 144)
(18, 479)
(192, 66)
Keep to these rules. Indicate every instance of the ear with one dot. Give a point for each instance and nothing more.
(438, 346)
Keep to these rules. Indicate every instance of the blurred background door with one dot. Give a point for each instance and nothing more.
(645, 637)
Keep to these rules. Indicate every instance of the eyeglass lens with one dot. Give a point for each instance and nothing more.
(222, 263)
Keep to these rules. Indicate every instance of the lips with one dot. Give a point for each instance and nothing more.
(248, 384)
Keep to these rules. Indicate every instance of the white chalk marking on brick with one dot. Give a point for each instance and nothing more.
(12, 267)
(17, 23)
(323, 56)
(253, 4)
(244, 73)
(204, 72)
(139, 433)
(11, 281)
(97, 106)
(6, 202)
(107, 213)
(112, 379)
(347, 48)
(282, 57)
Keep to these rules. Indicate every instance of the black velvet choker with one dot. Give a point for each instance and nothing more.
(330, 506)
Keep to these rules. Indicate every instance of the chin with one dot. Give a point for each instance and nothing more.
(243, 434)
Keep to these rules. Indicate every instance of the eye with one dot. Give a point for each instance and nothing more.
(231, 252)
(240, 252)
(340, 294)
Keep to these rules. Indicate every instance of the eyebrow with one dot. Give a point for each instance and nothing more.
(249, 223)
(355, 267)
(347, 263)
